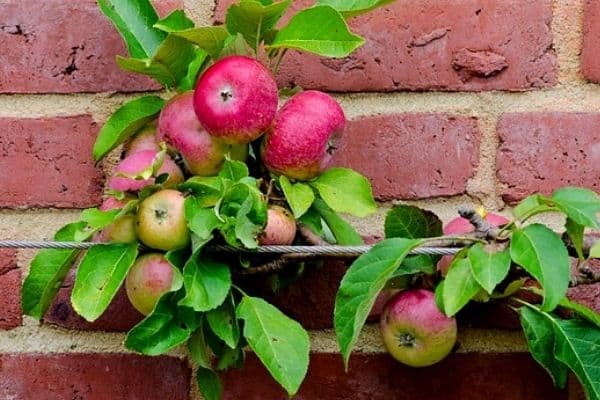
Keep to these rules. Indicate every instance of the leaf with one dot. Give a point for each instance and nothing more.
(344, 233)
(175, 21)
(529, 205)
(245, 211)
(581, 205)
(412, 222)
(235, 45)
(352, 8)
(234, 170)
(577, 345)
(230, 358)
(99, 276)
(575, 233)
(211, 39)
(360, 286)
(126, 121)
(320, 30)
(223, 322)
(460, 286)
(582, 311)
(201, 221)
(540, 340)
(595, 250)
(488, 268)
(541, 253)
(280, 343)
(346, 191)
(198, 348)
(207, 283)
(207, 190)
(160, 331)
(47, 271)
(299, 196)
(197, 64)
(253, 19)
(134, 20)
(209, 383)
(312, 219)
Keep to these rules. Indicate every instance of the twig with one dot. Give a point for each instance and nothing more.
(310, 236)
(585, 276)
(483, 229)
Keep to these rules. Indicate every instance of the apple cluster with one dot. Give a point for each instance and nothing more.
(234, 104)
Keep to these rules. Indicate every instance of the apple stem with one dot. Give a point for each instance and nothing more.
(406, 340)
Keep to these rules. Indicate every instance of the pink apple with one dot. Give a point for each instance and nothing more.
(202, 153)
(415, 332)
(122, 230)
(301, 141)
(145, 139)
(136, 163)
(236, 99)
(280, 228)
(148, 279)
(161, 222)
(459, 226)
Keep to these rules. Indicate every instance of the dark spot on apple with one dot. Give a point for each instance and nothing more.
(226, 95)
(160, 214)
(406, 340)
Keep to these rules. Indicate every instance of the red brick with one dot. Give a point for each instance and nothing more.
(436, 45)
(540, 152)
(412, 156)
(47, 162)
(63, 47)
(10, 287)
(588, 295)
(591, 41)
(512, 376)
(119, 317)
(93, 376)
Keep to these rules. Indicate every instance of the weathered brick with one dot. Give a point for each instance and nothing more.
(513, 376)
(63, 47)
(412, 156)
(93, 376)
(540, 152)
(10, 288)
(587, 294)
(436, 45)
(47, 162)
(590, 62)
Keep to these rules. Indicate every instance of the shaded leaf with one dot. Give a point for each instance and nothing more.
(580, 204)
(223, 322)
(575, 233)
(344, 233)
(299, 195)
(412, 222)
(252, 19)
(209, 383)
(211, 39)
(460, 286)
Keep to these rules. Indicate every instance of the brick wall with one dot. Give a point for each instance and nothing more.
(451, 102)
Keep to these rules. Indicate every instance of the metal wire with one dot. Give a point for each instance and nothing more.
(332, 250)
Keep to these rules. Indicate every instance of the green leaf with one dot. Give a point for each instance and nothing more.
(134, 20)
(47, 271)
(581, 205)
(539, 332)
(206, 189)
(207, 283)
(582, 311)
(460, 286)
(245, 211)
(230, 358)
(97, 219)
(320, 30)
(530, 204)
(360, 286)
(595, 250)
(280, 343)
(344, 233)
(211, 39)
(352, 8)
(209, 383)
(234, 170)
(196, 65)
(488, 268)
(126, 121)
(160, 331)
(223, 322)
(439, 296)
(168, 66)
(346, 191)
(540, 252)
(198, 348)
(575, 232)
(201, 221)
(235, 45)
(175, 21)
(99, 276)
(312, 219)
(253, 19)
(412, 222)
(299, 195)
(577, 345)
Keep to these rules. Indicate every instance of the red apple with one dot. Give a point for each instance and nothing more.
(122, 230)
(161, 221)
(149, 278)
(302, 139)
(202, 153)
(459, 226)
(236, 99)
(145, 139)
(280, 228)
(415, 332)
(136, 163)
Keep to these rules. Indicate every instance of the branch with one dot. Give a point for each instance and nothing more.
(310, 236)
(483, 229)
